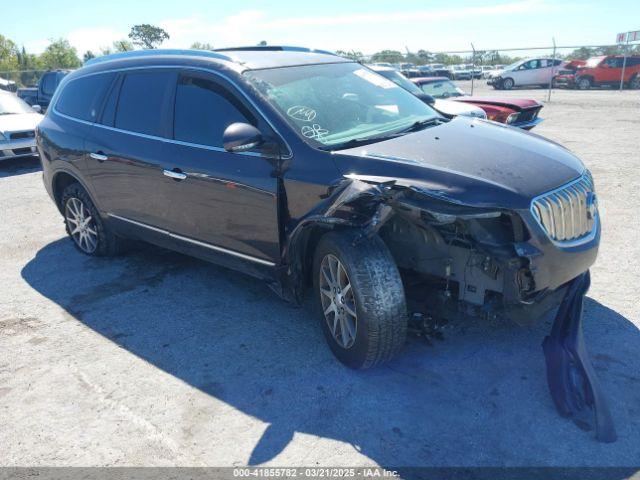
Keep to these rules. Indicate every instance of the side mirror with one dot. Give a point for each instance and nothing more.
(36, 108)
(426, 98)
(239, 137)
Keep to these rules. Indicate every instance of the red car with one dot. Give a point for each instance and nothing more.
(603, 70)
(567, 74)
(517, 112)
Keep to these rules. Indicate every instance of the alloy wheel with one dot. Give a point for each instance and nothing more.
(338, 301)
(81, 225)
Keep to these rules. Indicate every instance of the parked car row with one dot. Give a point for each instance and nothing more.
(595, 72)
(604, 70)
(450, 100)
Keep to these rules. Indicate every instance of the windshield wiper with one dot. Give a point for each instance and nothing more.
(356, 142)
(420, 124)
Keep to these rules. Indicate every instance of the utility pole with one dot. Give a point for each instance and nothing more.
(624, 61)
(473, 64)
(553, 69)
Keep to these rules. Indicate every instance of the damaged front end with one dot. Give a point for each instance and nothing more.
(461, 260)
(469, 260)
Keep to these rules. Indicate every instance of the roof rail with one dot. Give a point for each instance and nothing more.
(157, 52)
(273, 48)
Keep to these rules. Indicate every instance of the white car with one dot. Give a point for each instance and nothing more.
(529, 72)
(447, 107)
(18, 122)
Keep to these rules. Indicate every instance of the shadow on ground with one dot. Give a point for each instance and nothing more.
(478, 398)
(19, 166)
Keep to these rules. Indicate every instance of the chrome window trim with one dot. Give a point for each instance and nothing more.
(195, 242)
(566, 243)
(234, 84)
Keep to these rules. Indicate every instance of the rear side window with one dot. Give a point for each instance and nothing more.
(203, 110)
(82, 98)
(49, 83)
(142, 99)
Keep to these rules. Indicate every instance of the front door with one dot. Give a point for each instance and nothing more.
(219, 199)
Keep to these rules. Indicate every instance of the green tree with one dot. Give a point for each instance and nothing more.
(582, 53)
(263, 43)
(122, 45)
(28, 64)
(389, 56)
(60, 54)
(351, 54)
(147, 36)
(424, 56)
(88, 55)
(8, 55)
(201, 46)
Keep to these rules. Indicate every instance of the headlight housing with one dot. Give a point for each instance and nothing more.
(513, 118)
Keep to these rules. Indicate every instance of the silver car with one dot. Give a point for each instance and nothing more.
(18, 122)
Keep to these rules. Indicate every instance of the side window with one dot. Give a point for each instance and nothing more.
(203, 110)
(109, 112)
(143, 96)
(49, 83)
(82, 98)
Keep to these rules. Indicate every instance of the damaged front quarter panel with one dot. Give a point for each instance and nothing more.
(483, 250)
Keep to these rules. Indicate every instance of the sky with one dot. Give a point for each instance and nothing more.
(363, 25)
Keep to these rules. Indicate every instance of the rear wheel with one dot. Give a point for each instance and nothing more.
(85, 226)
(584, 83)
(361, 299)
(508, 83)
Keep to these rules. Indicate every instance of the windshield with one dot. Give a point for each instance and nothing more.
(400, 80)
(334, 104)
(10, 104)
(513, 65)
(593, 62)
(442, 89)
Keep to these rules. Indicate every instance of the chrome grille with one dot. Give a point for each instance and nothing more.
(569, 213)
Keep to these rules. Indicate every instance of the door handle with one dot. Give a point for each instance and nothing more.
(101, 157)
(174, 175)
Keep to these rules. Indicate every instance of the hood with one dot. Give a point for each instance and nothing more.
(468, 161)
(515, 103)
(19, 121)
(454, 108)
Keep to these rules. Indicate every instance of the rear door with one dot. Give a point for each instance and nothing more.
(127, 148)
(610, 70)
(226, 200)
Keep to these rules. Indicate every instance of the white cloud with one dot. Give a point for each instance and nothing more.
(93, 38)
(367, 32)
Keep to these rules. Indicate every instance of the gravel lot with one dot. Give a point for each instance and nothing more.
(159, 359)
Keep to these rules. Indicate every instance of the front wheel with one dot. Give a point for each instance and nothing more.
(508, 83)
(361, 299)
(584, 83)
(85, 226)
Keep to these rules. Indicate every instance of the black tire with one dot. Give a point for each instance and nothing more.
(377, 291)
(507, 84)
(107, 243)
(583, 83)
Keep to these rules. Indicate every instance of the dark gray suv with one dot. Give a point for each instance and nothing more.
(303, 168)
